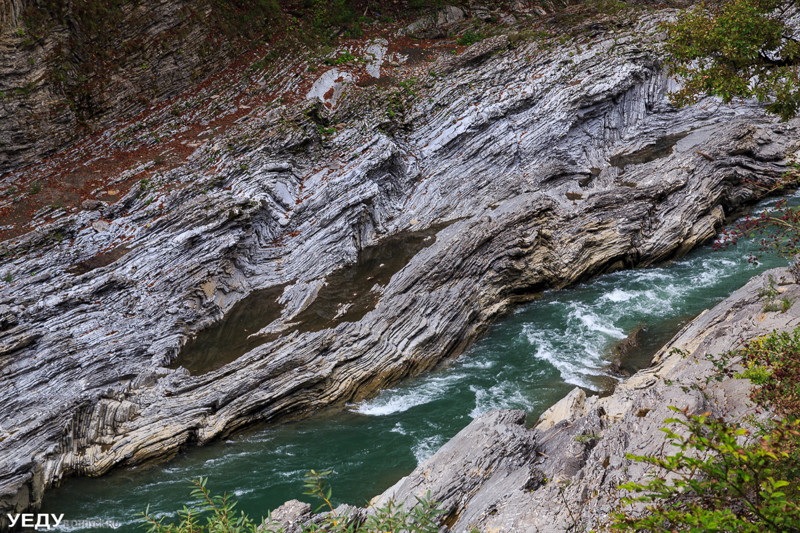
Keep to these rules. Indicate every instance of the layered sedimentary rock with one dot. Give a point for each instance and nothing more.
(512, 169)
(563, 475)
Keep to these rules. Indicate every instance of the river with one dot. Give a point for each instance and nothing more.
(528, 360)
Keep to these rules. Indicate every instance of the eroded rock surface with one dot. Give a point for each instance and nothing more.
(579, 446)
(511, 152)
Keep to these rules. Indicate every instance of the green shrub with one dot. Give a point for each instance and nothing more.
(721, 478)
(341, 59)
(470, 37)
(327, 14)
(716, 483)
(720, 49)
(772, 362)
(421, 518)
(216, 514)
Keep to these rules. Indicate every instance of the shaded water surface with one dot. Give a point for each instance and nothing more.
(660, 148)
(231, 338)
(348, 293)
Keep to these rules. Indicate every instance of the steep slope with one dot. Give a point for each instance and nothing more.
(68, 68)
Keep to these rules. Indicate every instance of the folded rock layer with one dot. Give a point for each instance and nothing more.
(542, 166)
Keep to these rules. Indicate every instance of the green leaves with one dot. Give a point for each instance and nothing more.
(316, 484)
(772, 363)
(218, 512)
(735, 51)
(715, 482)
(391, 517)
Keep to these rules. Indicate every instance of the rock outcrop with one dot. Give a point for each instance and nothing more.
(526, 168)
(562, 475)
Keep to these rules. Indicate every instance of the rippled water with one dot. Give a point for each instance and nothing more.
(530, 359)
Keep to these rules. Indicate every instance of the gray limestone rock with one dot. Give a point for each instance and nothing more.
(91, 205)
(434, 25)
(487, 454)
(289, 517)
(519, 170)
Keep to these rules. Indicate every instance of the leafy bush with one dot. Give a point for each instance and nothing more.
(721, 478)
(778, 226)
(336, 13)
(738, 49)
(470, 37)
(341, 59)
(246, 18)
(216, 514)
(715, 483)
(772, 363)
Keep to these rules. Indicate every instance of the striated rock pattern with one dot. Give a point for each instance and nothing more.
(579, 445)
(467, 474)
(541, 166)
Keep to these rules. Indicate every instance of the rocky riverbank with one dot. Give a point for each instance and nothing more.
(562, 474)
(532, 166)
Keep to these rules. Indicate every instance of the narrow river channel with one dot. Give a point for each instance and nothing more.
(528, 360)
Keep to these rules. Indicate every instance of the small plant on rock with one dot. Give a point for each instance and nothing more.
(391, 517)
(212, 514)
(342, 59)
(470, 38)
(770, 295)
(772, 363)
(715, 482)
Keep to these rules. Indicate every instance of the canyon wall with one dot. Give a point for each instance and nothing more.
(520, 165)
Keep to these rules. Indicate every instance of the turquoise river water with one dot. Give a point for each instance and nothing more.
(528, 360)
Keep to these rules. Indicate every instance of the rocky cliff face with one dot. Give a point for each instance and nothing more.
(562, 475)
(509, 170)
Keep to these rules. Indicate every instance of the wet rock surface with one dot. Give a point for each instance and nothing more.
(623, 349)
(579, 446)
(511, 149)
